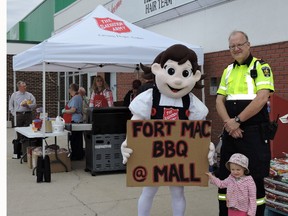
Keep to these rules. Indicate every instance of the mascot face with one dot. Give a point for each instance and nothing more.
(175, 80)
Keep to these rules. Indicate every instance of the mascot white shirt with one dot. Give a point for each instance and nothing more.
(141, 105)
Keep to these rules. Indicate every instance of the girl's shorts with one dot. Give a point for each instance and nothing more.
(235, 212)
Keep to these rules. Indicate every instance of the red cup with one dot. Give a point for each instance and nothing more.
(37, 123)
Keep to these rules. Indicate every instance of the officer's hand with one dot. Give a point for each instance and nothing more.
(236, 133)
(211, 154)
(126, 152)
(231, 125)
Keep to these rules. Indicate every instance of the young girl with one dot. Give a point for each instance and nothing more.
(241, 189)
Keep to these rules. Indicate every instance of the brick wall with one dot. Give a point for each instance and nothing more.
(214, 63)
(34, 85)
(124, 83)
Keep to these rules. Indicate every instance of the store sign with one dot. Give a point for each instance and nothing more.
(168, 152)
(145, 8)
(154, 5)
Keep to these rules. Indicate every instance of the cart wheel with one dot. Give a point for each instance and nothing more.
(93, 173)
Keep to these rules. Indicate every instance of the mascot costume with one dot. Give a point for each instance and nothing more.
(176, 73)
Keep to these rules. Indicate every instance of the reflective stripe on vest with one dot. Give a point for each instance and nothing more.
(222, 197)
(241, 97)
(260, 201)
(229, 69)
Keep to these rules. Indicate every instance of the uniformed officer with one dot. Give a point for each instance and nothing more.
(241, 103)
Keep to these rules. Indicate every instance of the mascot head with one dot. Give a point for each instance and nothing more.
(176, 71)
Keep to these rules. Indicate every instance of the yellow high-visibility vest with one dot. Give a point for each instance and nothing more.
(237, 83)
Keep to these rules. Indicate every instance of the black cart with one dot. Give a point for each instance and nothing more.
(103, 142)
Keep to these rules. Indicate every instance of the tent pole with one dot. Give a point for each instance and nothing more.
(80, 79)
(44, 107)
(89, 83)
(58, 92)
(65, 84)
(202, 82)
(14, 88)
(15, 116)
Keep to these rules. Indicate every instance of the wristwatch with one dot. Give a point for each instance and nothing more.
(237, 119)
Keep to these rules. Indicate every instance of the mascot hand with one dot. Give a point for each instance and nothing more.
(126, 152)
(211, 154)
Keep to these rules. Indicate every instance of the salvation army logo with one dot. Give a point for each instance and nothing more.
(98, 103)
(109, 24)
(170, 114)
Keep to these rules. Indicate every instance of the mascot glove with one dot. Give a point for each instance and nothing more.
(211, 153)
(63, 111)
(126, 152)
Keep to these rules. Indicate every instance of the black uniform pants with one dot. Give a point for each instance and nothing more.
(253, 146)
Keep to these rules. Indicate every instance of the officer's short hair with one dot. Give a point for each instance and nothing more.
(241, 32)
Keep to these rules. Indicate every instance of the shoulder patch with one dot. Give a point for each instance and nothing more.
(266, 71)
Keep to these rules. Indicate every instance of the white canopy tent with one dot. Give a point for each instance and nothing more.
(100, 42)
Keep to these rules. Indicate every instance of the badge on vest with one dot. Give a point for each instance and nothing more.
(266, 71)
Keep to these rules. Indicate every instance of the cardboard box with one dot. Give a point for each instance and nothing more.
(55, 165)
(29, 156)
(24, 148)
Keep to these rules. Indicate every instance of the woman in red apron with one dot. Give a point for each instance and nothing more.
(67, 116)
(73, 114)
(101, 96)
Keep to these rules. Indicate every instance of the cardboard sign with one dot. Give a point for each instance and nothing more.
(168, 153)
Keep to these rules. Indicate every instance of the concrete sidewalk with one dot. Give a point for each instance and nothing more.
(78, 193)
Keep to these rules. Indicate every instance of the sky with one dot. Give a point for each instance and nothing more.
(18, 9)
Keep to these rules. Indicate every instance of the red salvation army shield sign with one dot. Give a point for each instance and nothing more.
(171, 114)
(109, 24)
